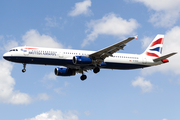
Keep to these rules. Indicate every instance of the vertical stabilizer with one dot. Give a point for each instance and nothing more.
(155, 48)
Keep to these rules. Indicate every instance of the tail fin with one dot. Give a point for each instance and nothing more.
(155, 48)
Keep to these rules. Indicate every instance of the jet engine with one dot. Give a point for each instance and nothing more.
(82, 60)
(64, 71)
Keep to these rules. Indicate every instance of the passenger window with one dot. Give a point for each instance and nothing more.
(16, 49)
(13, 49)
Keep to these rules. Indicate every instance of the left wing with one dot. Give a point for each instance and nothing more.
(100, 55)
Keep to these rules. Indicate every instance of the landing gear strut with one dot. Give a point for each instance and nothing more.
(83, 77)
(24, 68)
(96, 69)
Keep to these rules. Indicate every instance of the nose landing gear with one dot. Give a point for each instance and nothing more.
(24, 68)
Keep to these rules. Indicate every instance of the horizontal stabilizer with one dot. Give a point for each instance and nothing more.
(164, 57)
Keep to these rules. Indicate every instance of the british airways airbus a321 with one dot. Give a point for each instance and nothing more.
(80, 61)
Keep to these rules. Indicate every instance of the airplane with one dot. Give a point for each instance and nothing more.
(80, 61)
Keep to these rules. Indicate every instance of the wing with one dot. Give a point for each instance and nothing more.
(100, 55)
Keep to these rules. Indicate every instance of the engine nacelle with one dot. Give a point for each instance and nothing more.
(82, 60)
(64, 71)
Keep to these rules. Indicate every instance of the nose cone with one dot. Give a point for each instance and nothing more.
(6, 56)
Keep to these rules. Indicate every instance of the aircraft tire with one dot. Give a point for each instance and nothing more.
(23, 70)
(96, 69)
(83, 77)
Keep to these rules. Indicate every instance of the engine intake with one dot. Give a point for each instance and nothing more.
(82, 60)
(64, 71)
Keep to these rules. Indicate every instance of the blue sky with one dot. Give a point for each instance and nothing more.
(143, 94)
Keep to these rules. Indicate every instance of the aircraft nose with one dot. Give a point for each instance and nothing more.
(5, 56)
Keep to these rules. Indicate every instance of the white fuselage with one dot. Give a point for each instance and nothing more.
(63, 57)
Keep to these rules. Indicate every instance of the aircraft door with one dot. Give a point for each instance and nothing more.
(26, 52)
(61, 54)
(144, 60)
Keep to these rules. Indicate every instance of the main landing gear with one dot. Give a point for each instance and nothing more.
(83, 76)
(24, 68)
(96, 69)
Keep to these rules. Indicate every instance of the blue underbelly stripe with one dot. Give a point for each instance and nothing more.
(66, 62)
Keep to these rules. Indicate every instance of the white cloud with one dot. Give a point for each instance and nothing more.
(87, 113)
(60, 90)
(43, 96)
(55, 115)
(7, 92)
(171, 44)
(159, 5)
(1, 41)
(81, 8)
(33, 38)
(10, 44)
(50, 76)
(51, 22)
(166, 11)
(1, 37)
(110, 24)
(146, 42)
(66, 84)
(164, 19)
(146, 86)
(164, 119)
(135, 112)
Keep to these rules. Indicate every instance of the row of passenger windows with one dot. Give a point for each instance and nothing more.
(126, 57)
(113, 56)
(76, 53)
(44, 51)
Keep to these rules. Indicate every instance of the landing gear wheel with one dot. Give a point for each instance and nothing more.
(23, 70)
(83, 77)
(96, 70)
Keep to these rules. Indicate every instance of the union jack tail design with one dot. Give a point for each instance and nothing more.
(155, 48)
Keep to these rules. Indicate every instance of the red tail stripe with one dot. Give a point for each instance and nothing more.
(159, 41)
(151, 54)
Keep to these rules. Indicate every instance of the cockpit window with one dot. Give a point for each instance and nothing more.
(13, 50)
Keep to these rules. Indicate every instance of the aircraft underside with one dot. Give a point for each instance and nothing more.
(68, 63)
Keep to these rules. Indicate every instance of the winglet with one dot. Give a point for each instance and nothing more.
(136, 37)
